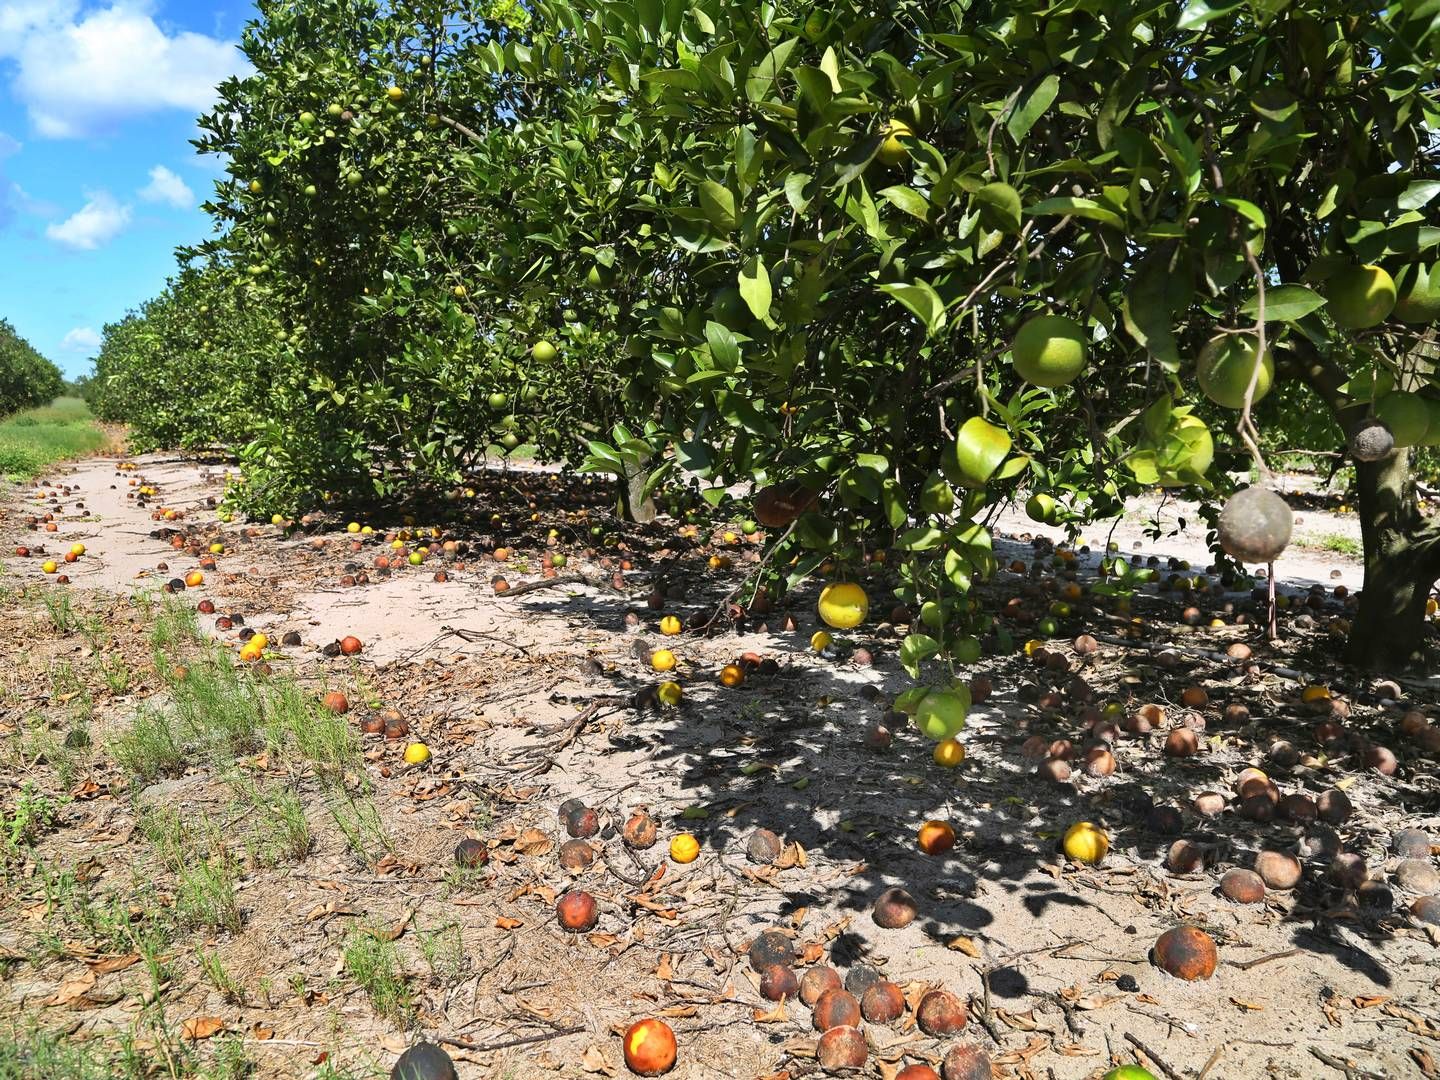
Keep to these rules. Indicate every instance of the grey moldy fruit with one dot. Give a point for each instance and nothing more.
(1371, 440)
(424, 1061)
(1255, 525)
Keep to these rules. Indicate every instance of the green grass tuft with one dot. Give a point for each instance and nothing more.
(33, 440)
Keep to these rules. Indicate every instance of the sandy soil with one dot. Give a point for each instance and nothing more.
(527, 701)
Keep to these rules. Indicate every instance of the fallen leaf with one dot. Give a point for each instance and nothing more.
(1369, 1002)
(201, 1027)
(261, 1033)
(72, 990)
(396, 930)
(594, 1061)
(774, 1016)
(679, 1012)
(504, 922)
(664, 972)
(533, 842)
(963, 944)
(1248, 1006)
(108, 964)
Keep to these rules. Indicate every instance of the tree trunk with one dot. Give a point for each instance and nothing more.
(635, 505)
(1388, 632)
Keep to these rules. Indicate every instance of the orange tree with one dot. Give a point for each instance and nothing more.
(192, 368)
(26, 378)
(930, 254)
(912, 260)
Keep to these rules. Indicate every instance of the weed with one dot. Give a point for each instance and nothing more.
(444, 950)
(294, 725)
(359, 822)
(60, 609)
(375, 964)
(176, 624)
(116, 674)
(32, 815)
(229, 1062)
(213, 968)
(33, 439)
(1337, 542)
(205, 895)
(150, 748)
(281, 830)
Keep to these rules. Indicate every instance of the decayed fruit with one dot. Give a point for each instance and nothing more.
(1360, 296)
(917, 1071)
(763, 847)
(777, 506)
(882, 1003)
(842, 1049)
(639, 831)
(336, 702)
(1186, 952)
(769, 949)
(577, 911)
(1370, 440)
(576, 855)
(650, 1048)
(778, 981)
(835, 1008)
(423, 1061)
(1255, 525)
(895, 909)
(941, 1013)
(1086, 842)
(966, 1061)
(1225, 367)
(1242, 886)
(350, 645)
(843, 605)
(816, 982)
(471, 853)
(1049, 350)
(1278, 869)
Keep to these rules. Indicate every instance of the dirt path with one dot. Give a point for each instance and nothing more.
(1060, 951)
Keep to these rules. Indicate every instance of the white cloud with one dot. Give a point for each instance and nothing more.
(82, 340)
(96, 223)
(166, 187)
(79, 71)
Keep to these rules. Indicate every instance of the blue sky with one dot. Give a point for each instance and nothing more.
(98, 181)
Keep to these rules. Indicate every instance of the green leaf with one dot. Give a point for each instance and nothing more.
(763, 75)
(1419, 194)
(921, 300)
(1285, 303)
(921, 538)
(908, 200)
(914, 650)
(892, 500)
(1031, 106)
(755, 286)
(1199, 12)
(1084, 208)
(718, 202)
(724, 347)
(1000, 203)
(1148, 314)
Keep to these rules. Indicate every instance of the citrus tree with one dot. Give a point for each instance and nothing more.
(191, 368)
(893, 266)
(27, 379)
(1060, 246)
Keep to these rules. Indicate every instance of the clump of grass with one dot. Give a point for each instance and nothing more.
(32, 440)
(31, 816)
(375, 965)
(213, 968)
(359, 822)
(444, 950)
(294, 725)
(205, 895)
(280, 829)
(1341, 544)
(60, 609)
(150, 747)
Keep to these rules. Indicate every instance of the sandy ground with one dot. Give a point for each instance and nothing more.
(1053, 946)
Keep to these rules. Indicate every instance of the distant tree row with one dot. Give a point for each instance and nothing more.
(27, 379)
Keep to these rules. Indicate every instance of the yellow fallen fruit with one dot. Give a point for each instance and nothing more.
(1312, 694)
(49, 566)
(670, 693)
(948, 753)
(684, 848)
(670, 625)
(77, 550)
(1086, 842)
(820, 641)
(417, 753)
(662, 660)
